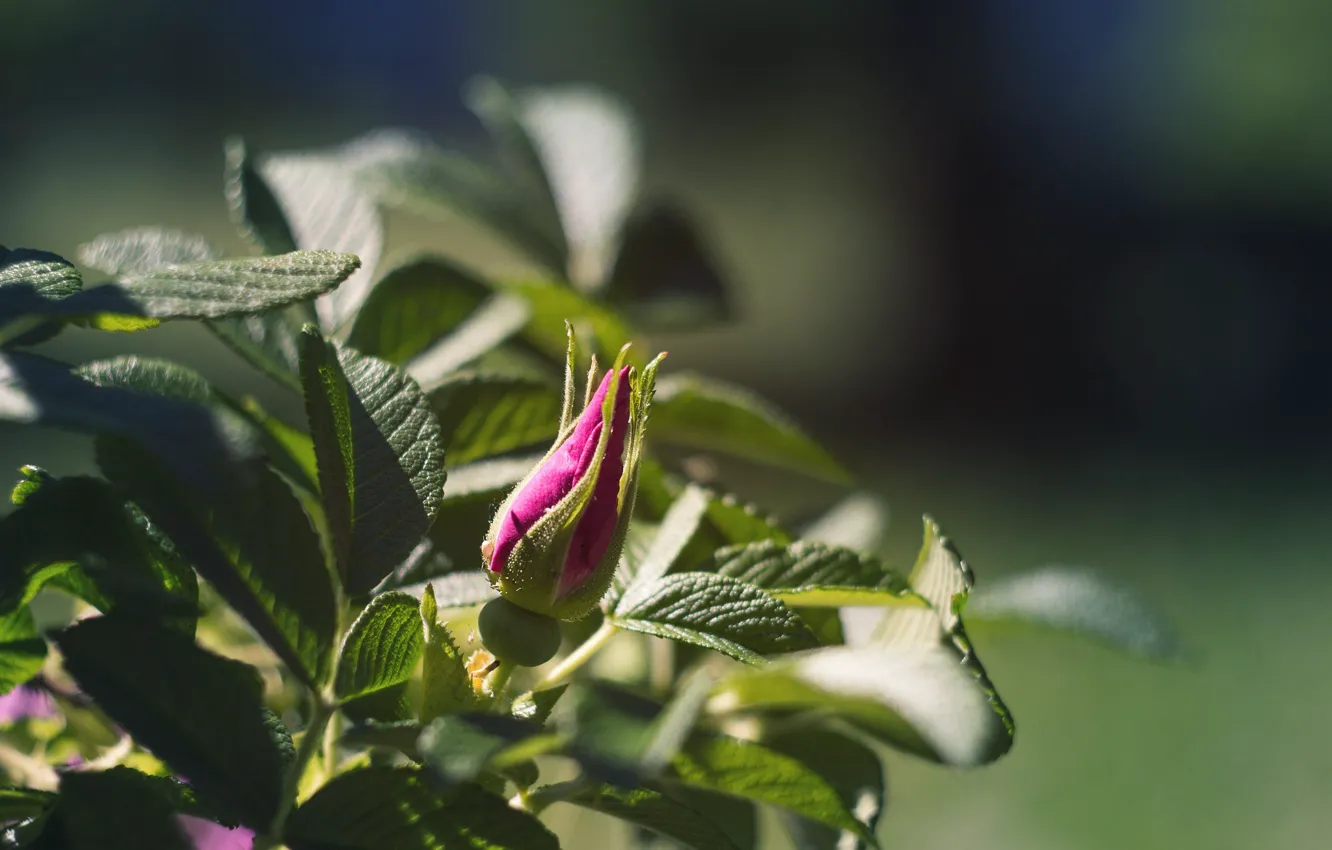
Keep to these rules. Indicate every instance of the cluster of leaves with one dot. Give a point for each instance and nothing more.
(339, 556)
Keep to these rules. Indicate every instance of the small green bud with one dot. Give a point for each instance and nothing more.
(517, 635)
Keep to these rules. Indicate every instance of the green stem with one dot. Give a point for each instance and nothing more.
(310, 743)
(498, 680)
(580, 656)
(536, 801)
(329, 758)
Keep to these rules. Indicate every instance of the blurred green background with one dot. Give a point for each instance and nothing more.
(1054, 271)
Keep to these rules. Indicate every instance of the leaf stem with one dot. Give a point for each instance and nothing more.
(310, 744)
(498, 680)
(329, 758)
(580, 656)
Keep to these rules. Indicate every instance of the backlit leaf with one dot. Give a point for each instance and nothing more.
(422, 178)
(22, 652)
(944, 580)
(588, 149)
(415, 304)
(482, 415)
(551, 305)
(1076, 600)
(327, 209)
(702, 413)
(916, 698)
(501, 113)
(381, 648)
(446, 687)
(143, 249)
(494, 321)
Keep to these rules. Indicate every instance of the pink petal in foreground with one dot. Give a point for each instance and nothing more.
(26, 701)
(207, 835)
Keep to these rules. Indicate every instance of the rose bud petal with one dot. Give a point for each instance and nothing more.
(555, 543)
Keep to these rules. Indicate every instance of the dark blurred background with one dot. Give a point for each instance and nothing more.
(1055, 271)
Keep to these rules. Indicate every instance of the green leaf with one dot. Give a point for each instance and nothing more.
(112, 811)
(206, 289)
(198, 712)
(200, 444)
(814, 574)
(677, 528)
(29, 281)
(143, 249)
(291, 450)
(702, 413)
(252, 540)
(482, 415)
(397, 735)
(664, 278)
(536, 706)
(153, 790)
(81, 535)
(446, 687)
(672, 727)
(381, 648)
(26, 272)
(424, 563)
(857, 522)
(652, 810)
(326, 208)
(22, 652)
(551, 305)
(415, 304)
(494, 321)
(716, 612)
(737, 817)
(456, 750)
(850, 767)
(422, 178)
(486, 480)
(21, 803)
(463, 589)
(270, 341)
(148, 375)
(919, 699)
(588, 150)
(1075, 600)
(754, 772)
(460, 747)
(254, 208)
(736, 523)
(386, 808)
(944, 580)
(215, 289)
(381, 459)
(520, 156)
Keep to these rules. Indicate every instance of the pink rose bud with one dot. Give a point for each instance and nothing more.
(555, 543)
